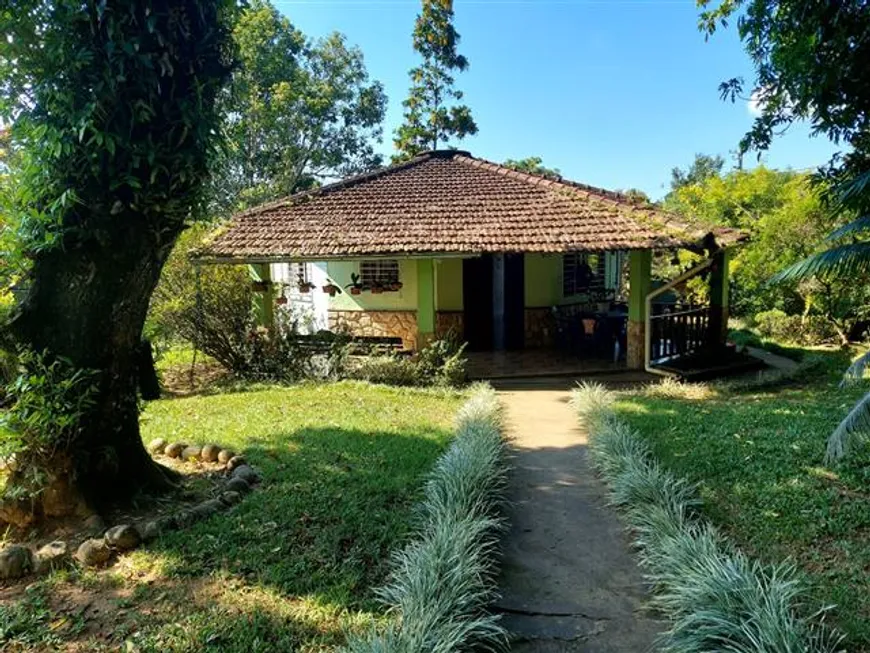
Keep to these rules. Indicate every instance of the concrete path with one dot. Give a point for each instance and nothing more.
(569, 582)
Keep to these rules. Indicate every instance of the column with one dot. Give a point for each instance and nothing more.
(264, 301)
(498, 303)
(425, 302)
(640, 280)
(719, 299)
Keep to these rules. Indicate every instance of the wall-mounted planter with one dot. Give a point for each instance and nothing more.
(260, 286)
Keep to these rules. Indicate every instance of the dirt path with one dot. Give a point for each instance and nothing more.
(569, 582)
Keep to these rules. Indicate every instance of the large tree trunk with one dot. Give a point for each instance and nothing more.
(88, 303)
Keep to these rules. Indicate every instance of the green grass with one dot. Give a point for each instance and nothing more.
(757, 456)
(294, 566)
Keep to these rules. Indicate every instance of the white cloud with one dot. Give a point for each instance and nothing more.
(756, 102)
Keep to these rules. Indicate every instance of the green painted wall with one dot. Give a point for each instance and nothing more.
(448, 284)
(543, 280)
(402, 300)
(425, 296)
(264, 302)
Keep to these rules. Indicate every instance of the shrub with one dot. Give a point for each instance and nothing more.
(804, 330)
(441, 363)
(443, 580)
(717, 599)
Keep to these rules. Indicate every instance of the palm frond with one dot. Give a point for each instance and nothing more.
(854, 228)
(855, 428)
(856, 187)
(842, 261)
(856, 369)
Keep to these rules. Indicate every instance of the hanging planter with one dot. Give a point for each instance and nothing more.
(281, 300)
(354, 286)
(260, 286)
(331, 289)
(304, 286)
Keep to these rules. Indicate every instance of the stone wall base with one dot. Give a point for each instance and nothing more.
(378, 324)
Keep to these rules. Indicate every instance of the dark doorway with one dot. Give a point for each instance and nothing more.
(483, 301)
(514, 301)
(477, 299)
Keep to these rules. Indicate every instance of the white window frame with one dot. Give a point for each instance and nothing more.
(381, 272)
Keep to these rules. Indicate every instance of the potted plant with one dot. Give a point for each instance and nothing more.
(331, 289)
(303, 285)
(377, 289)
(281, 300)
(260, 286)
(355, 286)
(396, 286)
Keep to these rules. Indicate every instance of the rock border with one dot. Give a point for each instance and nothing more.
(19, 560)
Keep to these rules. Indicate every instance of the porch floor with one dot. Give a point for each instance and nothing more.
(529, 363)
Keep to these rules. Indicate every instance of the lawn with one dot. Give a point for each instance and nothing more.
(757, 456)
(294, 565)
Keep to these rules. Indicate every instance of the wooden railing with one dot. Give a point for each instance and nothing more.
(677, 331)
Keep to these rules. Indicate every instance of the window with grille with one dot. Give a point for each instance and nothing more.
(298, 273)
(379, 272)
(583, 273)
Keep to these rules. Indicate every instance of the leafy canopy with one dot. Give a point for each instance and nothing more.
(297, 112)
(112, 112)
(429, 121)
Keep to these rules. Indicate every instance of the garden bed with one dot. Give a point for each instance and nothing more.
(292, 567)
(757, 457)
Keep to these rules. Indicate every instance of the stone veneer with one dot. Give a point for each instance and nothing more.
(449, 323)
(540, 328)
(393, 324)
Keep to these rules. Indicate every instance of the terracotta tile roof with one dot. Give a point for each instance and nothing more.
(449, 202)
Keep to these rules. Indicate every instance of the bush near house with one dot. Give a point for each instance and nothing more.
(756, 454)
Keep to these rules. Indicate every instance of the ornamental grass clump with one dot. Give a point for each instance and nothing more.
(444, 579)
(716, 598)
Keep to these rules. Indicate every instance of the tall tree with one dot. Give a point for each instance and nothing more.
(430, 121)
(113, 105)
(703, 167)
(811, 64)
(298, 112)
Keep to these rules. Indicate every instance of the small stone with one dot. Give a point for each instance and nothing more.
(230, 498)
(52, 556)
(123, 537)
(191, 453)
(174, 450)
(236, 461)
(246, 473)
(157, 445)
(210, 453)
(208, 508)
(95, 525)
(237, 484)
(93, 552)
(15, 561)
(224, 456)
(152, 530)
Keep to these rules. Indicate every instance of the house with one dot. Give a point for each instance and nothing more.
(447, 242)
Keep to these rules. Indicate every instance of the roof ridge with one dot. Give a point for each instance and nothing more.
(336, 185)
(546, 181)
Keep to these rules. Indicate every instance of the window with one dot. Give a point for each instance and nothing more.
(583, 272)
(381, 272)
(298, 273)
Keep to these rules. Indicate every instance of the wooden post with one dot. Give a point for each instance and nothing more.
(264, 301)
(499, 339)
(425, 302)
(718, 329)
(640, 282)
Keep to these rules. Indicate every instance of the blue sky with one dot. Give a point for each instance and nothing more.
(614, 93)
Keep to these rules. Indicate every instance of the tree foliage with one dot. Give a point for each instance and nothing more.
(533, 165)
(703, 167)
(297, 112)
(429, 120)
(113, 112)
